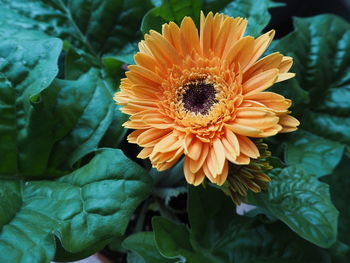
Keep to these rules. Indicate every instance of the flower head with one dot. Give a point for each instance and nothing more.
(203, 95)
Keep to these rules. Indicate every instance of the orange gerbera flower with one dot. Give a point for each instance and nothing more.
(203, 95)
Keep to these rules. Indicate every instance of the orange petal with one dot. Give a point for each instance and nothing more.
(242, 159)
(208, 172)
(145, 61)
(141, 79)
(145, 153)
(260, 46)
(285, 64)
(170, 162)
(241, 52)
(165, 157)
(219, 151)
(188, 139)
(169, 143)
(243, 130)
(136, 125)
(270, 131)
(166, 50)
(156, 119)
(232, 140)
(247, 147)
(172, 33)
(192, 178)
(212, 163)
(289, 123)
(221, 178)
(194, 149)
(256, 118)
(189, 35)
(132, 137)
(260, 82)
(229, 151)
(284, 76)
(151, 137)
(231, 31)
(195, 165)
(270, 100)
(269, 62)
(206, 33)
(145, 73)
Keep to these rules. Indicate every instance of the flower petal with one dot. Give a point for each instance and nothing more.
(221, 178)
(260, 46)
(243, 130)
(219, 151)
(288, 123)
(192, 178)
(194, 149)
(260, 82)
(151, 137)
(189, 36)
(247, 147)
(270, 100)
(195, 165)
(242, 159)
(169, 143)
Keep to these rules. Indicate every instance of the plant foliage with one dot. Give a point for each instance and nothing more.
(70, 184)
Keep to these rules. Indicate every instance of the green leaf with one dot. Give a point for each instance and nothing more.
(144, 244)
(133, 257)
(232, 238)
(99, 27)
(11, 200)
(126, 55)
(92, 204)
(64, 124)
(219, 235)
(115, 132)
(61, 255)
(339, 182)
(28, 64)
(214, 5)
(322, 69)
(255, 11)
(170, 10)
(82, 116)
(303, 203)
(173, 241)
(317, 155)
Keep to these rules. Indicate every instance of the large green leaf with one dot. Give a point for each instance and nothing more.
(233, 238)
(255, 11)
(82, 116)
(144, 244)
(65, 123)
(28, 64)
(320, 47)
(219, 235)
(303, 203)
(170, 10)
(48, 128)
(92, 204)
(339, 183)
(173, 241)
(214, 5)
(97, 26)
(317, 155)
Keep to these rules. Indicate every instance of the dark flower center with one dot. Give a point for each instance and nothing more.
(199, 97)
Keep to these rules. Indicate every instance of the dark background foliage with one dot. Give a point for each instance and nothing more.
(73, 185)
